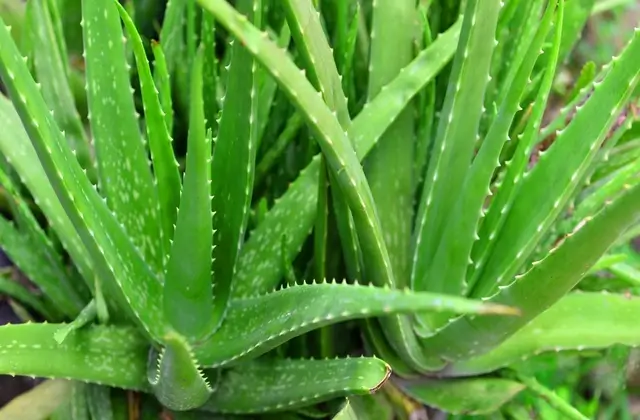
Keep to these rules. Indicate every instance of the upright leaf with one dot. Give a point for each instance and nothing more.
(389, 166)
(123, 167)
(165, 167)
(456, 137)
(117, 262)
(188, 304)
(233, 165)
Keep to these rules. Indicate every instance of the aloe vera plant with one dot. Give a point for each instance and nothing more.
(179, 213)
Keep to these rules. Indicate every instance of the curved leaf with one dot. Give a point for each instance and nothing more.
(233, 165)
(114, 356)
(259, 268)
(187, 300)
(579, 321)
(175, 378)
(542, 286)
(282, 385)
(123, 168)
(473, 396)
(165, 166)
(256, 325)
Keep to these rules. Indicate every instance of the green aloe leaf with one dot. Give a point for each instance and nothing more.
(114, 356)
(323, 73)
(99, 402)
(210, 72)
(472, 396)
(282, 385)
(172, 34)
(259, 268)
(389, 166)
(310, 39)
(31, 250)
(175, 377)
(543, 285)
(85, 316)
(20, 153)
(39, 402)
(455, 140)
(187, 299)
(51, 70)
(123, 167)
(165, 166)
(16, 291)
(233, 165)
(578, 321)
(295, 310)
(535, 201)
(453, 252)
(117, 262)
(163, 84)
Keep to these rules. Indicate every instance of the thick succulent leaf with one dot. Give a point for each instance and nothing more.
(456, 137)
(163, 83)
(117, 262)
(114, 356)
(187, 299)
(336, 147)
(123, 168)
(39, 402)
(269, 87)
(16, 291)
(19, 152)
(165, 166)
(579, 321)
(376, 339)
(472, 396)
(281, 385)
(364, 407)
(99, 402)
(175, 378)
(259, 268)
(543, 285)
(270, 158)
(542, 194)
(210, 80)
(256, 325)
(389, 166)
(341, 158)
(172, 35)
(311, 41)
(33, 253)
(453, 252)
(233, 166)
(87, 315)
(51, 69)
